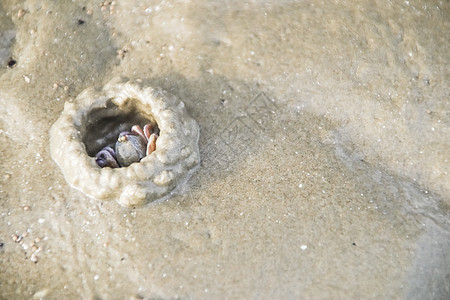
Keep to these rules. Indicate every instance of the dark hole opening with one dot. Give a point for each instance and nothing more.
(104, 124)
(11, 63)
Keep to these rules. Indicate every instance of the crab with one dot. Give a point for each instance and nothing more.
(131, 147)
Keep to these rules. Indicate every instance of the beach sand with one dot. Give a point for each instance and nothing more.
(324, 146)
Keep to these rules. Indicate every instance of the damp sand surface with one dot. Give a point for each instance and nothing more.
(324, 145)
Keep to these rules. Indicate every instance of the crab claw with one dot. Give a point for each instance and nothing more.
(130, 148)
(106, 158)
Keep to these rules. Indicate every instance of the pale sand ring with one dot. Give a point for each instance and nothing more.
(96, 118)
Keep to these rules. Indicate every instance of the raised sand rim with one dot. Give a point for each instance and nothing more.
(92, 122)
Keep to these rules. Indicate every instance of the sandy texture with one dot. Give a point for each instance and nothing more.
(324, 144)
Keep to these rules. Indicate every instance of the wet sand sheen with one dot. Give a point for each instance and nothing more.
(323, 141)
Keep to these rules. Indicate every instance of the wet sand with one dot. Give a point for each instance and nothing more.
(324, 143)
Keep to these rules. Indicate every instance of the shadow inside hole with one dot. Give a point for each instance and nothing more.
(11, 63)
(104, 124)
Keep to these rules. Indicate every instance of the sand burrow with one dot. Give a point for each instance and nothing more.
(94, 120)
(104, 123)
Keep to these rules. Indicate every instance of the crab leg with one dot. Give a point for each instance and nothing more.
(147, 129)
(138, 130)
(151, 145)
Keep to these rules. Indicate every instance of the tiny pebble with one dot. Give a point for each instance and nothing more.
(26, 208)
(20, 13)
(34, 258)
(41, 294)
(303, 247)
(27, 79)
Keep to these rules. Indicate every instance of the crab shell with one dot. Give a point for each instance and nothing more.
(130, 148)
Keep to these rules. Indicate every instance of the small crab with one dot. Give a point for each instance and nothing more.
(130, 147)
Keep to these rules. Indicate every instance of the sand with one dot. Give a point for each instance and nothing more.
(324, 146)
